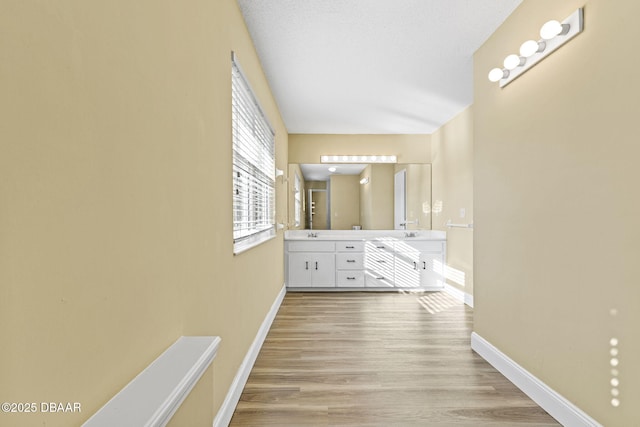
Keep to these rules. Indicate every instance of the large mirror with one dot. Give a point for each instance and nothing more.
(377, 196)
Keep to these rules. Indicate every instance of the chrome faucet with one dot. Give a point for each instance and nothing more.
(312, 235)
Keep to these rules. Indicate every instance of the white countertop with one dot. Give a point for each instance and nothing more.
(364, 234)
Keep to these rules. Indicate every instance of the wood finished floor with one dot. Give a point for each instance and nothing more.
(378, 359)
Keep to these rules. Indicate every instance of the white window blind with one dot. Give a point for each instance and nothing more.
(253, 167)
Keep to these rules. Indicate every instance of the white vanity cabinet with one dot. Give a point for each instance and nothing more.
(376, 262)
(420, 264)
(379, 264)
(350, 264)
(311, 264)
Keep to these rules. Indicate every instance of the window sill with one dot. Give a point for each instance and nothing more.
(253, 241)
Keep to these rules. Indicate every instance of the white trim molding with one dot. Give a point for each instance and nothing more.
(459, 295)
(223, 417)
(556, 405)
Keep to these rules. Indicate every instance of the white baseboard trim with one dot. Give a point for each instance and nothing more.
(459, 295)
(556, 405)
(223, 417)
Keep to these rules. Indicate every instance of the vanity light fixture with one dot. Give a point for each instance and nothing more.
(496, 74)
(531, 47)
(553, 35)
(552, 29)
(364, 181)
(358, 159)
(512, 62)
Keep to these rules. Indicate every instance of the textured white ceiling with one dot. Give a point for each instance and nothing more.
(371, 66)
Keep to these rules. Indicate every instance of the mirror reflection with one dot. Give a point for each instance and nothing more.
(373, 196)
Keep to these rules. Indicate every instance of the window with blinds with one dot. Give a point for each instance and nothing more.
(253, 167)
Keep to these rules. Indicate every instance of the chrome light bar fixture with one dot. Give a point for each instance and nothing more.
(358, 159)
(553, 35)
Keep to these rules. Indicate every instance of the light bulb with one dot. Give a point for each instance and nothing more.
(332, 169)
(512, 62)
(497, 74)
(552, 29)
(531, 47)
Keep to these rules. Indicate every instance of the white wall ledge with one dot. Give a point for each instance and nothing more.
(153, 396)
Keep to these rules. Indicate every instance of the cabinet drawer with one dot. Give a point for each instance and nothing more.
(347, 278)
(350, 246)
(374, 280)
(378, 261)
(311, 246)
(420, 246)
(349, 261)
(378, 246)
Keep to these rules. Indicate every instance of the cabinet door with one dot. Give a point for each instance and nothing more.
(432, 271)
(299, 270)
(408, 270)
(323, 270)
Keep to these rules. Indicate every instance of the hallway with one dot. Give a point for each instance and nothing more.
(378, 359)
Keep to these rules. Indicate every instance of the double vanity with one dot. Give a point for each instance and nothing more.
(365, 260)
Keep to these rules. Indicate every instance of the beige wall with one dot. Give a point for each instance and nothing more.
(376, 197)
(345, 201)
(452, 163)
(307, 148)
(115, 178)
(556, 207)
